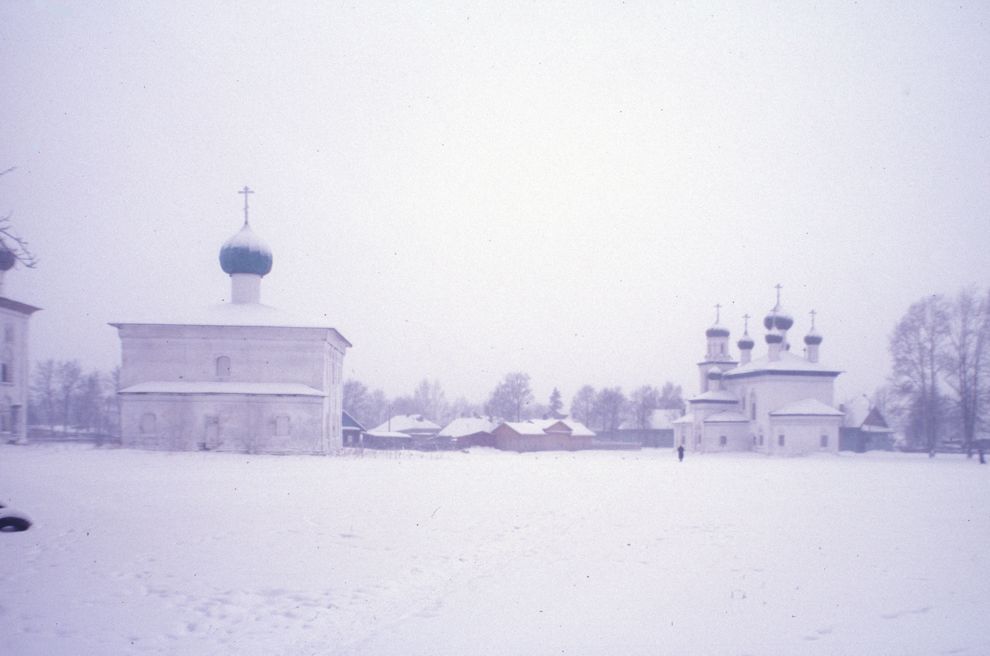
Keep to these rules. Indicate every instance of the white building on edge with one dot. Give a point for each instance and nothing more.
(237, 376)
(14, 360)
(780, 404)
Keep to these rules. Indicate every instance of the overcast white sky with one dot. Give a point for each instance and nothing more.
(466, 190)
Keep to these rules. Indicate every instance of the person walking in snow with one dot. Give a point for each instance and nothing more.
(680, 453)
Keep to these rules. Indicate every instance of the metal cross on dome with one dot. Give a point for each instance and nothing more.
(245, 191)
(746, 323)
(812, 313)
(778, 287)
(718, 312)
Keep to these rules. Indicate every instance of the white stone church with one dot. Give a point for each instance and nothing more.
(778, 404)
(237, 376)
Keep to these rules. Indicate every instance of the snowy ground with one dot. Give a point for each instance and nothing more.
(492, 553)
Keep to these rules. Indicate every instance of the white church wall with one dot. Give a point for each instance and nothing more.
(240, 423)
(773, 392)
(803, 435)
(14, 385)
(724, 436)
(190, 353)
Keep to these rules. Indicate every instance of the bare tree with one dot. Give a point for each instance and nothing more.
(609, 404)
(583, 405)
(916, 348)
(44, 393)
(378, 409)
(642, 402)
(511, 397)
(68, 375)
(89, 403)
(429, 400)
(10, 242)
(671, 397)
(461, 407)
(965, 356)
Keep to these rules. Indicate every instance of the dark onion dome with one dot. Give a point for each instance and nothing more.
(714, 374)
(774, 336)
(245, 253)
(717, 330)
(745, 342)
(813, 338)
(778, 318)
(7, 258)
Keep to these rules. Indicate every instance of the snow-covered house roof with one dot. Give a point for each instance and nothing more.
(541, 427)
(222, 387)
(786, 364)
(408, 424)
(463, 426)
(349, 422)
(806, 408)
(686, 419)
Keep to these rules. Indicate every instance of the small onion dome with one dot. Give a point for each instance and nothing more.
(774, 336)
(714, 373)
(745, 343)
(778, 318)
(717, 330)
(7, 258)
(245, 253)
(813, 338)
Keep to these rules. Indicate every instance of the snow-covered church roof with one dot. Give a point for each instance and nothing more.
(714, 396)
(786, 364)
(235, 314)
(806, 408)
(726, 418)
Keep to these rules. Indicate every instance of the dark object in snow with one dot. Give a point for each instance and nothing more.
(13, 522)
(680, 453)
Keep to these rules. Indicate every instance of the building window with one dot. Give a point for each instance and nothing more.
(752, 406)
(223, 367)
(761, 439)
(780, 440)
(823, 441)
(722, 440)
(149, 424)
(281, 425)
(8, 333)
(7, 366)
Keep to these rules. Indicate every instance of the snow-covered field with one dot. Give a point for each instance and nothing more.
(492, 553)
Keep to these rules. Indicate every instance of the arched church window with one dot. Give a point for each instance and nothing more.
(752, 405)
(149, 423)
(781, 440)
(823, 441)
(223, 367)
(722, 440)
